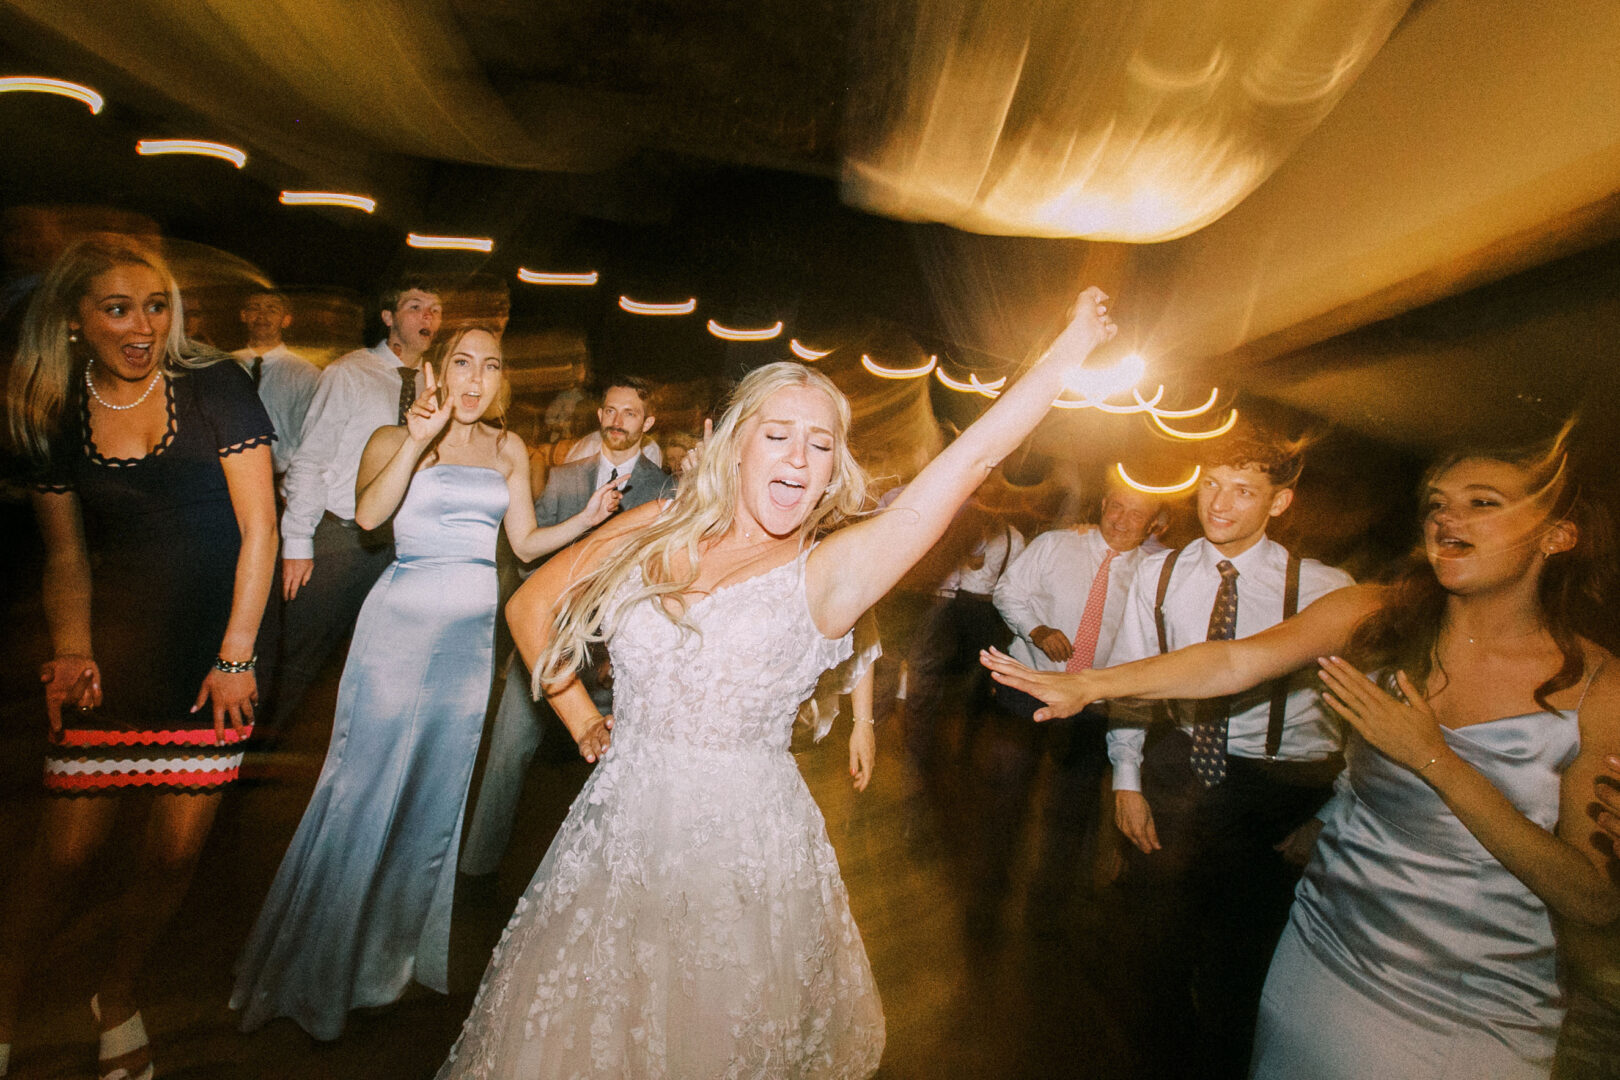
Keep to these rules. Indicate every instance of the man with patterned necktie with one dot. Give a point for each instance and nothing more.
(1063, 597)
(1220, 805)
(328, 563)
(286, 381)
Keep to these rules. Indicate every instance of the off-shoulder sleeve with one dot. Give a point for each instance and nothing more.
(822, 709)
(232, 408)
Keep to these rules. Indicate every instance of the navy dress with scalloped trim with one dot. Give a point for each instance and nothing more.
(163, 542)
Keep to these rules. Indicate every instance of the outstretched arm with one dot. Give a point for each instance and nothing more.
(1208, 669)
(529, 540)
(855, 566)
(529, 614)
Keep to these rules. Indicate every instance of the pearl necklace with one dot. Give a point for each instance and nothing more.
(90, 385)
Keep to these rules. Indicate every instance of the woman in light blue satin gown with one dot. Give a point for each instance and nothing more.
(1420, 944)
(361, 904)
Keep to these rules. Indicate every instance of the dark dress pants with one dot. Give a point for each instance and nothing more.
(943, 666)
(1219, 892)
(1011, 747)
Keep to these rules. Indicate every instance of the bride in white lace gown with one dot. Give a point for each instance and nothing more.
(689, 920)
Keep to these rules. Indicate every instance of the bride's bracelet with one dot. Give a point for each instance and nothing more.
(236, 667)
(866, 720)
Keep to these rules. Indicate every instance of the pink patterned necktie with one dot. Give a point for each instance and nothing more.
(1085, 638)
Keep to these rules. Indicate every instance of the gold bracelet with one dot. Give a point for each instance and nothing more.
(1426, 764)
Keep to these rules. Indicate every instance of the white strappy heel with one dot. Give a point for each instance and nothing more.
(125, 1040)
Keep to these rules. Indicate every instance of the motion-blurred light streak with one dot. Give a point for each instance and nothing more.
(1187, 414)
(328, 198)
(1212, 433)
(1151, 489)
(450, 243)
(1140, 406)
(729, 333)
(543, 277)
(898, 373)
(805, 352)
(199, 147)
(60, 87)
(637, 307)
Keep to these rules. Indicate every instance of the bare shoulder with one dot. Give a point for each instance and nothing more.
(1603, 692)
(510, 450)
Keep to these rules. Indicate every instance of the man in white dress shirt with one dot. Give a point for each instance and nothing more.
(328, 563)
(1217, 802)
(286, 381)
(1066, 594)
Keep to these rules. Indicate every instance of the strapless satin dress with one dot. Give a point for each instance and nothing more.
(361, 904)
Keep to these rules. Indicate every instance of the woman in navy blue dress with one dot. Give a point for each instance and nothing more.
(157, 509)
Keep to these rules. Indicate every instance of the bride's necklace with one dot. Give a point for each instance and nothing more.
(90, 385)
(1498, 639)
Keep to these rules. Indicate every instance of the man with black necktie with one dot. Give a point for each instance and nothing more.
(286, 381)
(625, 417)
(1220, 803)
(328, 563)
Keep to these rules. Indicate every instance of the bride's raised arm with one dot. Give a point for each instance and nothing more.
(855, 566)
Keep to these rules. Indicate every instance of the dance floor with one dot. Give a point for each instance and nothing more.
(1017, 1001)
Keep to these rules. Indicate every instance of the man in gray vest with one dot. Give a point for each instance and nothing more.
(625, 418)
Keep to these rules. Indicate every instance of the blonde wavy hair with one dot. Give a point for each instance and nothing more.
(49, 367)
(703, 509)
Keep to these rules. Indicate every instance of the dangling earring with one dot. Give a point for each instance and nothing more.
(73, 337)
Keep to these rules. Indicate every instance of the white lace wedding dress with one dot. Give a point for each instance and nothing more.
(689, 920)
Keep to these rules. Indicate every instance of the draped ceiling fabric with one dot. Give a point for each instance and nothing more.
(1134, 122)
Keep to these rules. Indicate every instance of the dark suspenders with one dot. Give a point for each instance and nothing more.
(1279, 687)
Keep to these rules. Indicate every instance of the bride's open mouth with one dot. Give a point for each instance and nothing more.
(786, 493)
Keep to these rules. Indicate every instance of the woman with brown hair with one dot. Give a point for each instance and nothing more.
(1420, 943)
(360, 906)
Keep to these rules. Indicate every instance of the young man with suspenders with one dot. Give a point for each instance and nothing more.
(1220, 803)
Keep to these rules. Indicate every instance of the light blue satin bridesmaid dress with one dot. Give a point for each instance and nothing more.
(1411, 953)
(361, 904)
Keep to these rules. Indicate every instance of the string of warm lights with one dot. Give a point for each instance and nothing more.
(898, 373)
(1152, 489)
(637, 307)
(198, 147)
(1212, 433)
(1094, 385)
(539, 277)
(727, 333)
(1185, 414)
(450, 243)
(328, 198)
(34, 84)
(805, 352)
